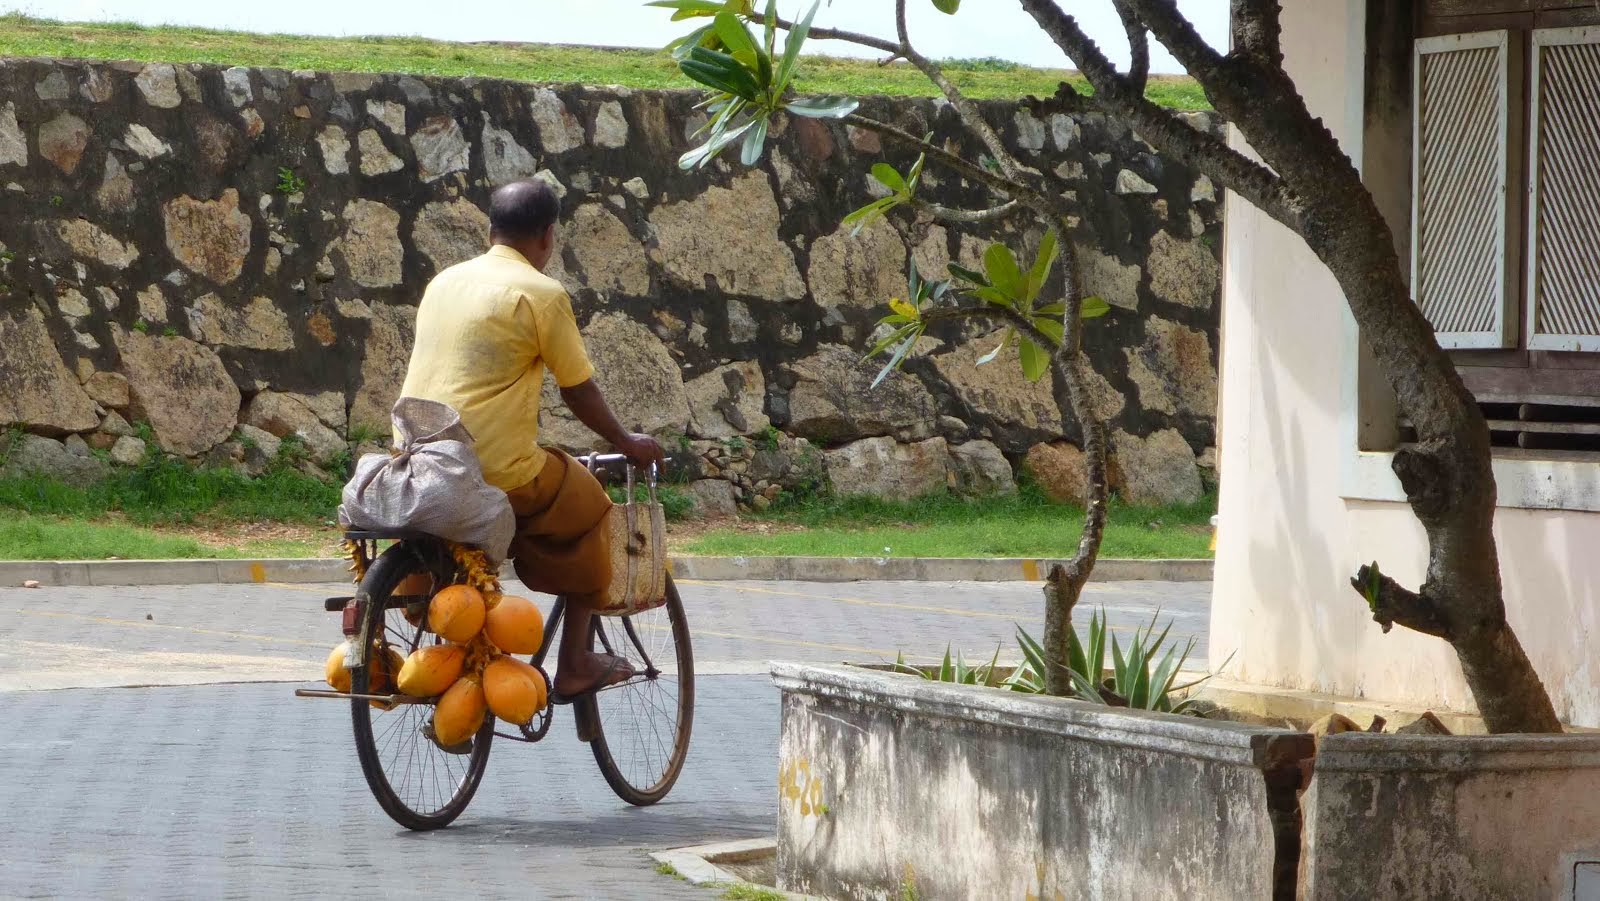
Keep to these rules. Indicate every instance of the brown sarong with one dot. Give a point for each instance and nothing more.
(562, 545)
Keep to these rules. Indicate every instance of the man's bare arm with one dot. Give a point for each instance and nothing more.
(588, 403)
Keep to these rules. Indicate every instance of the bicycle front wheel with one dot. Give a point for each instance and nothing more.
(418, 784)
(644, 723)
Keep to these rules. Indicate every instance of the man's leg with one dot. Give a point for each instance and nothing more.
(578, 668)
(563, 546)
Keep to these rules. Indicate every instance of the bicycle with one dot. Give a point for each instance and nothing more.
(424, 786)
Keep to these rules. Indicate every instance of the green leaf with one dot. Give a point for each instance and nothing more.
(1076, 660)
(1093, 307)
(1000, 264)
(1119, 663)
(681, 48)
(990, 356)
(887, 342)
(1086, 689)
(1035, 360)
(914, 332)
(995, 296)
(948, 7)
(735, 38)
(721, 71)
(823, 107)
(989, 679)
(915, 176)
(1032, 652)
(944, 668)
(708, 151)
(866, 215)
(791, 51)
(755, 142)
(1097, 644)
(967, 275)
(1041, 265)
(889, 177)
(689, 9)
(1161, 681)
(1052, 327)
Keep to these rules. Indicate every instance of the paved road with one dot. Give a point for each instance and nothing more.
(216, 782)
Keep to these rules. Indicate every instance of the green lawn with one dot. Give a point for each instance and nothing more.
(32, 37)
(25, 536)
(1023, 526)
(167, 509)
(166, 493)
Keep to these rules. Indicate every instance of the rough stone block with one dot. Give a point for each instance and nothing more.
(879, 467)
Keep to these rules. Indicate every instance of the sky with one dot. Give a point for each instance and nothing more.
(983, 28)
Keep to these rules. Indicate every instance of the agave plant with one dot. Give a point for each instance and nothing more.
(1142, 676)
(956, 670)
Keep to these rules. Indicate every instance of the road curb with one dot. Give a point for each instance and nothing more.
(924, 569)
(699, 865)
(91, 573)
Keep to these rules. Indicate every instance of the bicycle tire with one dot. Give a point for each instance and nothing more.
(391, 568)
(615, 704)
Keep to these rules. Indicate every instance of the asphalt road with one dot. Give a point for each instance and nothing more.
(210, 780)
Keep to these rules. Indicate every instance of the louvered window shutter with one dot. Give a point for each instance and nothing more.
(1564, 189)
(1462, 265)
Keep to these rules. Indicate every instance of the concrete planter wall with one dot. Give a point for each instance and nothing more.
(1467, 818)
(888, 781)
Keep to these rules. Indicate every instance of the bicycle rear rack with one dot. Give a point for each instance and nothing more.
(352, 696)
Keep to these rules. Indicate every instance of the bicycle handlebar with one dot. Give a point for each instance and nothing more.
(604, 459)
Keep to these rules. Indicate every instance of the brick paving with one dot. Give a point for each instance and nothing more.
(234, 788)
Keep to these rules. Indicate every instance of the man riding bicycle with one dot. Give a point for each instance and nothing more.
(487, 329)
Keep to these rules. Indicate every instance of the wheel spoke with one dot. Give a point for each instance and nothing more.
(418, 784)
(645, 722)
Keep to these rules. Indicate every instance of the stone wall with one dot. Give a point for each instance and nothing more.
(233, 256)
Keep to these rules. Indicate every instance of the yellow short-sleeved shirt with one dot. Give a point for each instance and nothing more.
(486, 331)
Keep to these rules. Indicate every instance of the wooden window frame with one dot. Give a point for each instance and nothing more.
(1533, 340)
(1503, 335)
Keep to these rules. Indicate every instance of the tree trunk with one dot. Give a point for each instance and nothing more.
(1447, 476)
(1065, 583)
(1311, 186)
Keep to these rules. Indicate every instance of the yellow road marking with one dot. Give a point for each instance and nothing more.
(144, 624)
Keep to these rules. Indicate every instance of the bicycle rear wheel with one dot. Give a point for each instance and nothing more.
(417, 783)
(644, 723)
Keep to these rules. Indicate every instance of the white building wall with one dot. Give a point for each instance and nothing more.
(1289, 541)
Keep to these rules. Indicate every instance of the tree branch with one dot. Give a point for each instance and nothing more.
(849, 37)
(1113, 92)
(1044, 203)
(970, 115)
(1138, 46)
(950, 216)
(1178, 35)
(1393, 603)
(1257, 30)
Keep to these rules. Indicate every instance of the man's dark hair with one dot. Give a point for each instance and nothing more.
(523, 210)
